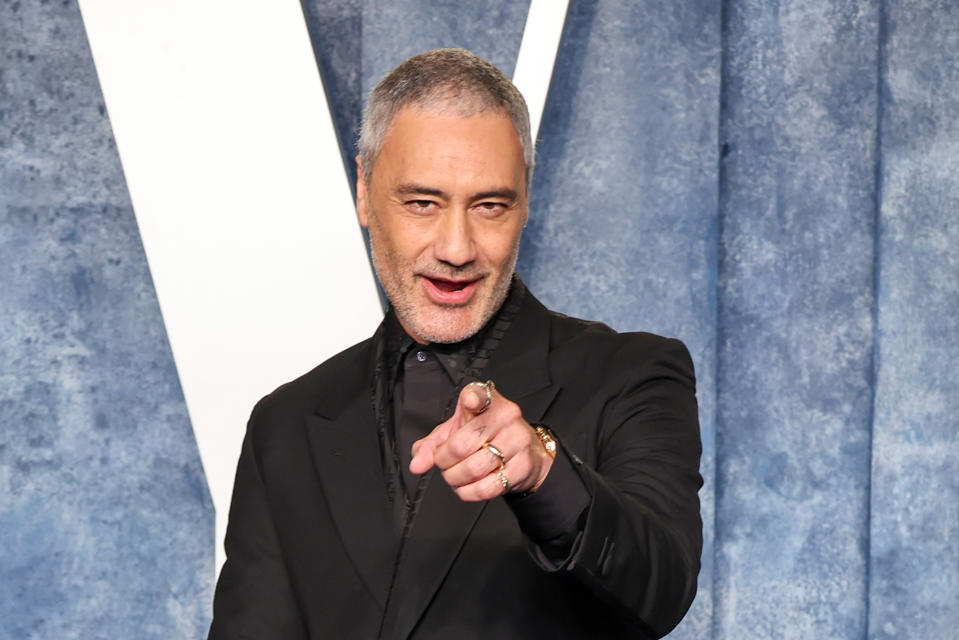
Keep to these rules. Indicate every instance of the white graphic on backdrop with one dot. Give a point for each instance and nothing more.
(537, 54)
(241, 196)
(241, 199)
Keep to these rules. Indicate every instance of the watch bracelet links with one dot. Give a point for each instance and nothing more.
(549, 443)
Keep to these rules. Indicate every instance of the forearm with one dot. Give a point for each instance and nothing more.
(644, 562)
(638, 544)
(553, 516)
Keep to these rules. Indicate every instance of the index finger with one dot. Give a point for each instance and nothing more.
(476, 397)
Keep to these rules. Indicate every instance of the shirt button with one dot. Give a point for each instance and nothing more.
(421, 356)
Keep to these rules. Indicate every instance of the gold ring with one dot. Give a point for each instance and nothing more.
(503, 480)
(499, 455)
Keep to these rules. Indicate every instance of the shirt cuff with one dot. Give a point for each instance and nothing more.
(551, 517)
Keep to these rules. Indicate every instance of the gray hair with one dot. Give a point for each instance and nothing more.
(442, 78)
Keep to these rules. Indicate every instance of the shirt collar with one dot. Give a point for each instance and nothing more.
(453, 357)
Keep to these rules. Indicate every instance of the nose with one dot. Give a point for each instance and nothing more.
(453, 243)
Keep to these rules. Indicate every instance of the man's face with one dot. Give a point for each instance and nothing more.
(445, 207)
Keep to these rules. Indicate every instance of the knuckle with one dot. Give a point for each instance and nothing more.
(460, 448)
(525, 468)
(519, 468)
(516, 438)
(511, 411)
(477, 465)
(450, 478)
(470, 493)
(490, 488)
(530, 439)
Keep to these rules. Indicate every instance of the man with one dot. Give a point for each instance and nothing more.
(481, 467)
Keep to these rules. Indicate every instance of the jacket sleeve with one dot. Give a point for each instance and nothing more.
(253, 598)
(640, 546)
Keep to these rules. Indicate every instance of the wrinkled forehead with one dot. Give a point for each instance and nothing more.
(429, 123)
(432, 135)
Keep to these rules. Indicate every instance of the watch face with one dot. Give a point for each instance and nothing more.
(548, 442)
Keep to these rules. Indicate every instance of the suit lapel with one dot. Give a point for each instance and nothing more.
(440, 528)
(520, 369)
(520, 365)
(346, 452)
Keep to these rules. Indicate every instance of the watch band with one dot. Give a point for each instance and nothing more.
(549, 443)
(546, 436)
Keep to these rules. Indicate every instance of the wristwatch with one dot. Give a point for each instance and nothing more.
(546, 436)
(549, 443)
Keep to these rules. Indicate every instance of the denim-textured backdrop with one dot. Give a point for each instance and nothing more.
(106, 526)
(776, 183)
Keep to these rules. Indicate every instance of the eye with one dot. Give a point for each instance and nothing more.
(490, 208)
(421, 206)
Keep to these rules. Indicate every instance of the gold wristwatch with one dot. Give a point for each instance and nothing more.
(549, 443)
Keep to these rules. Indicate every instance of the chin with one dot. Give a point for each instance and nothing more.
(444, 325)
(444, 332)
(433, 322)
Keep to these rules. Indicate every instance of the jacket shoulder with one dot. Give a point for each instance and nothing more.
(566, 329)
(586, 345)
(339, 375)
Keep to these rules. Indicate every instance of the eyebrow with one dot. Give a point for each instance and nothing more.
(410, 188)
(504, 192)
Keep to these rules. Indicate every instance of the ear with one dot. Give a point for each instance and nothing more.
(361, 194)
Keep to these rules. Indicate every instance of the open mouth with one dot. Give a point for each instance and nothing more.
(450, 286)
(450, 292)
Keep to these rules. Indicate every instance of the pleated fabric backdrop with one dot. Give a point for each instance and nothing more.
(106, 525)
(776, 183)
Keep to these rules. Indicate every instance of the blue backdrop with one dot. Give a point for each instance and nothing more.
(106, 524)
(776, 183)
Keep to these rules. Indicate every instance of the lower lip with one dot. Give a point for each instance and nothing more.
(459, 296)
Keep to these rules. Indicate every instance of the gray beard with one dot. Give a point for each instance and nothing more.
(406, 311)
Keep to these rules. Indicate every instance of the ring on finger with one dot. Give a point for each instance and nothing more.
(501, 475)
(488, 386)
(500, 458)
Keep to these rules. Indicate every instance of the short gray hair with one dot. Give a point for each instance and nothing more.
(442, 78)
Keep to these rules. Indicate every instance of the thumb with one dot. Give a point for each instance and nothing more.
(474, 398)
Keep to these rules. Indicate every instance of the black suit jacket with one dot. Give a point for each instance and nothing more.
(311, 542)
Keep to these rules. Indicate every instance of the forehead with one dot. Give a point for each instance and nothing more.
(444, 144)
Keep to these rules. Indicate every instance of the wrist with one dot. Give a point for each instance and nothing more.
(546, 453)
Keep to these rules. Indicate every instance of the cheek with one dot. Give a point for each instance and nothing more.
(501, 247)
(399, 244)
